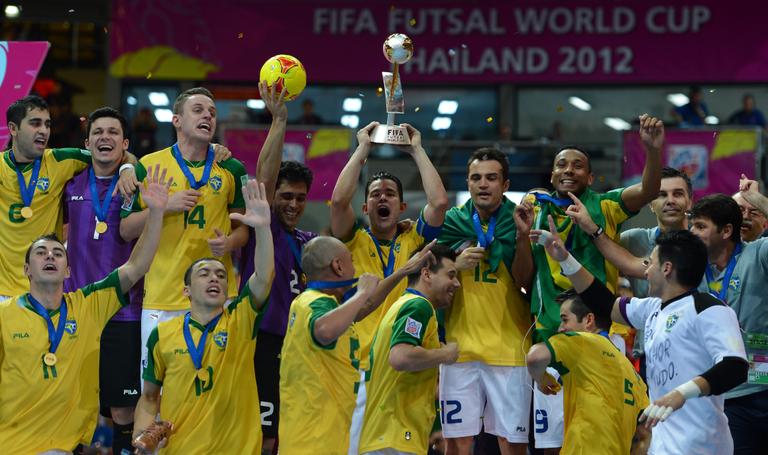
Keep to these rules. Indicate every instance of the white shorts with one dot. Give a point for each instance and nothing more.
(475, 395)
(388, 452)
(356, 428)
(548, 422)
(149, 320)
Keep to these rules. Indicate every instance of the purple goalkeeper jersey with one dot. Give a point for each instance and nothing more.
(92, 259)
(288, 282)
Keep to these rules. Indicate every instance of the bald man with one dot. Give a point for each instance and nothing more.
(321, 352)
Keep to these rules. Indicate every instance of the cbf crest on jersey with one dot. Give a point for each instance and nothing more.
(671, 321)
(215, 183)
(43, 184)
(221, 339)
(70, 326)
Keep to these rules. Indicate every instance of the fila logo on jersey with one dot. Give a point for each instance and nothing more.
(76, 198)
(671, 321)
(70, 326)
(43, 184)
(413, 327)
(131, 392)
(215, 183)
(221, 339)
(20, 335)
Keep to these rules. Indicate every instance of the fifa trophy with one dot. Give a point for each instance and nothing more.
(398, 49)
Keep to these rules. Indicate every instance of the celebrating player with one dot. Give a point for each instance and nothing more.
(202, 359)
(49, 388)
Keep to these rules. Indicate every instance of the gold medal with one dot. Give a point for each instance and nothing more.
(201, 374)
(27, 212)
(101, 227)
(49, 359)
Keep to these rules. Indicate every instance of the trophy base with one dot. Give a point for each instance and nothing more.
(390, 134)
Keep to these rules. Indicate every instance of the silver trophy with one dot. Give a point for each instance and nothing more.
(398, 49)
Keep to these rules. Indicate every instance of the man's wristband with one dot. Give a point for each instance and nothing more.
(570, 265)
(597, 233)
(124, 167)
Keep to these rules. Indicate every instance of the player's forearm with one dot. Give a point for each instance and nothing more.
(723, 376)
(146, 411)
(268, 165)
(333, 324)
(405, 357)
(260, 282)
(342, 214)
(759, 201)
(141, 257)
(648, 189)
(627, 263)
(238, 238)
(437, 198)
(132, 225)
(522, 265)
(383, 289)
(537, 360)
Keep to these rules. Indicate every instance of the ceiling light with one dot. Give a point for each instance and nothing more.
(447, 107)
(158, 99)
(579, 103)
(163, 115)
(441, 123)
(352, 104)
(255, 104)
(617, 123)
(678, 99)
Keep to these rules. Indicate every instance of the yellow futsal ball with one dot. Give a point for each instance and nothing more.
(284, 71)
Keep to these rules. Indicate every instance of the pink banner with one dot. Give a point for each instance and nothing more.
(713, 159)
(19, 63)
(526, 41)
(325, 151)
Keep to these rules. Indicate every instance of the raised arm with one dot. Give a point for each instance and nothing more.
(407, 357)
(627, 263)
(154, 192)
(342, 213)
(257, 215)
(522, 265)
(750, 191)
(331, 325)
(594, 293)
(268, 166)
(652, 138)
(437, 198)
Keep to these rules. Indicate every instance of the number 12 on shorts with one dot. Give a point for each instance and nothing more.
(448, 411)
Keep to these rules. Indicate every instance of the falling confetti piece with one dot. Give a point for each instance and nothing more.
(379, 91)
(714, 135)
(149, 75)
(17, 86)
(601, 178)
(463, 46)
(417, 109)
(451, 52)
(325, 184)
(106, 30)
(361, 95)
(489, 119)
(240, 35)
(82, 119)
(309, 135)
(625, 158)
(412, 22)
(328, 202)
(71, 10)
(712, 90)
(559, 109)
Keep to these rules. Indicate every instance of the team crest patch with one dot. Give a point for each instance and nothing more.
(128, 203)
(292, 320)
(734, 284)
(413, 327)
(43, 184)
(221, 339)
(70, 326)
(215, 183)
(671, 321)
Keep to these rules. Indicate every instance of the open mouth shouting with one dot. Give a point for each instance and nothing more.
(213, 290)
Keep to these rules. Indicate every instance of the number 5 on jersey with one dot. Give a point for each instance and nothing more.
(195, 216)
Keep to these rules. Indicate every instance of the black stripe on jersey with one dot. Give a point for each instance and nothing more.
(702, 301)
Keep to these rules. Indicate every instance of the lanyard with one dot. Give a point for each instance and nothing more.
(389, 267)
(27, 191)
(317, 285)
(100, 208)
(294, 248)
(54, 335)
(726, 278)
(196, 352)
(194, 184)
(414, 291)
(483, 238)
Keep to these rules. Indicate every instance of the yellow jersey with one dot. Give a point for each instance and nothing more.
(366, 258)
(603, 395)
(185, 235)
(57, 167)
(400, 405)
(317, 382)
(489, 318)
(215, 414)
(53, 407)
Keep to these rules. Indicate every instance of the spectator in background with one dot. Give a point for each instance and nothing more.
(308, 116)
(748, 115)
(66, 130)
(144, 129)
(693, 113)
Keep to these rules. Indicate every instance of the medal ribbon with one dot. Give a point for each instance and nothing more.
(389, 266)
(100, 208)
(54, 335)
(194, 184)
(196, 352)
(317, 285)
(725, 283)
(27, 191)
(483, 238)
(564, 202)
(294, 248)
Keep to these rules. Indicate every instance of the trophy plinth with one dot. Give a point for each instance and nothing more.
(390, 134)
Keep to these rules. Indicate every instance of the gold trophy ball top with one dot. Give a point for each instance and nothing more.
(398, 48)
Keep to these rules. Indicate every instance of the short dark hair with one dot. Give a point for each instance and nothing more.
(295, 172)
(580, 309)
(687, 253)
(188, 273)
(178, 105)
(106, 112)
(439, 251)
(18, 110)
(722, 210)
(491, 154)
(670, 172)
(578, 149)
(52, 237)
(384, 175)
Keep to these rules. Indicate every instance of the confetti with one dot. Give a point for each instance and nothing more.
(379, 91)
(149, 75)
(240, 35)
(601, 179)
(361, 95)
(106, 30)
(489, 119)
(463, 46)
(309, 135)
(417, 109)
(712, 90)
(325, 184)
(451, 52)
(412, 22)
(559, 108)
(71, 10)
(82, 119)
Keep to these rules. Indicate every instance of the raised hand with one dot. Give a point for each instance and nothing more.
(364, 133)
(551, 241)
(651, 133)
(415, 136)
(154, 189)
(257, 213)
(419, 260)
(274, 100)
(523, 216)
(580, 215)
(745, 184)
